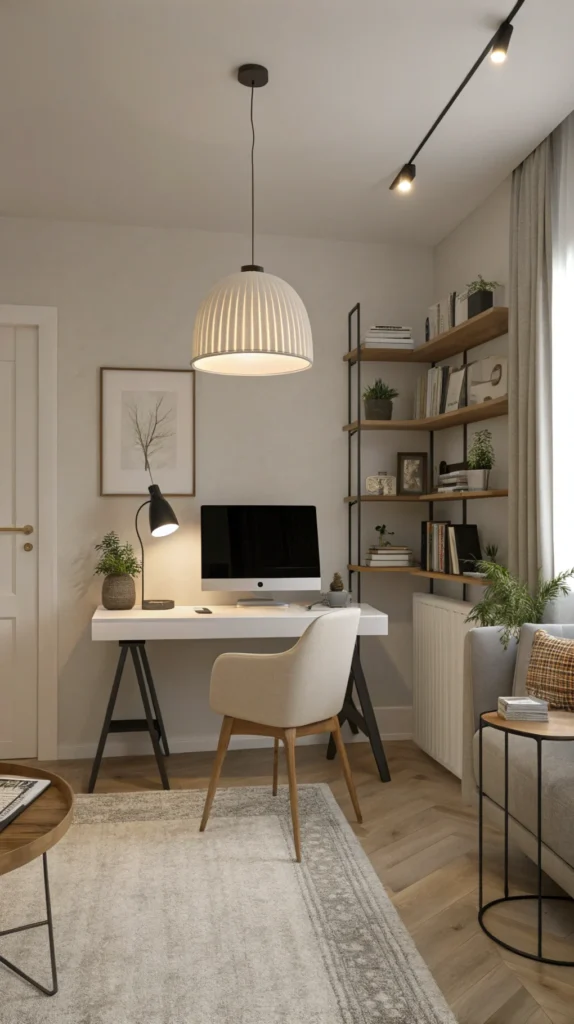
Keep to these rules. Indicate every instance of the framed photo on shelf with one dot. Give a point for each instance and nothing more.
(412, 473)
(147, 431)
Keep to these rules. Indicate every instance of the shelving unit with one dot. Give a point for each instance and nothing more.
(457, 341)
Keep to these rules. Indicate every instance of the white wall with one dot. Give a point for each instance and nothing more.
(479, 245)
(127, 297)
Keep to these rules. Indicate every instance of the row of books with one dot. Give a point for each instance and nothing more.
(449, 548)
(393, 555)
(523, 709)
(448, 312)
(442, 389)
(388, 336)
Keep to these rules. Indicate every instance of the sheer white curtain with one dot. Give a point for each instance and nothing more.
(563, 345)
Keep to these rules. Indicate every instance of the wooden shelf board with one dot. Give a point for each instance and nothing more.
(449, 577)
(465, 495)
(383, 568)
(384, 497)
(469, 414)
(479, 329)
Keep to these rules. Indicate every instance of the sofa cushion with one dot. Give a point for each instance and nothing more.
(557, 785)
(550, 673)
(527, 634)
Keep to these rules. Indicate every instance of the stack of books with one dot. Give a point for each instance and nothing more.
(451, 549)
(523, 709)
(393, 555)
(449, 483)
(388, 336)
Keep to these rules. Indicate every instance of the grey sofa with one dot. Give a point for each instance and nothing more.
(490, 673)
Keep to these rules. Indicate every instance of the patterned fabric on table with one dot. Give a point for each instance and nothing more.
(551, 670)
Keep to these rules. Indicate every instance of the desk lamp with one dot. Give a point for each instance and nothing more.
(162, 521)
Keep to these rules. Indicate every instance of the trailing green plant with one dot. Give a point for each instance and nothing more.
(480, 285)
(508, 602)
(379, 390)
(481, 451)
(115, 558)
(491, 553)
(384, 532)
(337, 582)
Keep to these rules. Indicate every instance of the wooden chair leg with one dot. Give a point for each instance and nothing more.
(290, 736)
(224, 737)
(342, 751)
(275, 765)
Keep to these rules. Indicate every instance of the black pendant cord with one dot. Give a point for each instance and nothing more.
(252, 181)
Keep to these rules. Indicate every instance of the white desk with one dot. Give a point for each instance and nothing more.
(225, 623)
(131, 629)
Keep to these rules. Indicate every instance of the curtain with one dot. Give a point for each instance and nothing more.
(530, 368)
(563, 343)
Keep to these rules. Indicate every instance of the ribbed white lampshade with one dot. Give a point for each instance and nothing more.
(252, 324)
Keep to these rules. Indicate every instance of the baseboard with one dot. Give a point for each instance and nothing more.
(394, 724)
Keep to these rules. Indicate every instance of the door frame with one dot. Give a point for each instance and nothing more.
(45, 320)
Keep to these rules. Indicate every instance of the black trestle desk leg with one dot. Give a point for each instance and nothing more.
(154, 700)
(151, 725)
(365, 721)
(108, 717)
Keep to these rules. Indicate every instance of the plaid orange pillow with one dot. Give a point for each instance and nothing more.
(550, 673)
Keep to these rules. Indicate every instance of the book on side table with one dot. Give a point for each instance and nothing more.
(16, 793)
(523, 709)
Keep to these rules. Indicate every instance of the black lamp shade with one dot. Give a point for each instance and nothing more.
(162, 518)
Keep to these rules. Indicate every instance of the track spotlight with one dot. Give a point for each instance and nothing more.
(404, 179)
(499, 51)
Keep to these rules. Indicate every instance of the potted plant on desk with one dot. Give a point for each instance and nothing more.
(378, 399)
(119, 565)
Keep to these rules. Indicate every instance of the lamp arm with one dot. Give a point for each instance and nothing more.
(141, 545)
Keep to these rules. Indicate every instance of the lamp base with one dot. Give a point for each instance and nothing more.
(157, 606)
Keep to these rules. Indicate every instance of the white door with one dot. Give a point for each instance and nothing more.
(18, 550)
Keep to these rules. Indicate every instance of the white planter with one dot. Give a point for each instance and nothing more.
(478, 479)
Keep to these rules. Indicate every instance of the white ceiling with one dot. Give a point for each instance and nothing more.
(127, 111)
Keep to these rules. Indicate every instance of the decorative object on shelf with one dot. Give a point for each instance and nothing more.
(378, 399)
(252, 324)
(162, 522)
(508, 602)
(487, 379)
(412, 473)
(480, 295)
(118, 565)
(491, 553)
(381, 483)
(383, 532)
(147, 427)
(337, 596)
(480, 460)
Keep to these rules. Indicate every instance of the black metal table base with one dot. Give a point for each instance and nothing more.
(539, 896)
(364, 720)
(48, 923)
(153, 725)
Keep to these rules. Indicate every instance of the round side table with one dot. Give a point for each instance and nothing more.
(560, 726)
(35, 831)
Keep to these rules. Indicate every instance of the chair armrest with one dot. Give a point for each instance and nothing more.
(488, 675)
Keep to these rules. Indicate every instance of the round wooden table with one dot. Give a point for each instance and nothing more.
(560, 726)
(35, 831)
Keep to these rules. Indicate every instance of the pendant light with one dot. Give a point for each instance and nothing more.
(252, 324)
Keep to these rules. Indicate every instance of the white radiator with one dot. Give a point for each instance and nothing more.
(439, 629)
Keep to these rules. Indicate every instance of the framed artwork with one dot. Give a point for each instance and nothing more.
(147, 431)
(412, 473)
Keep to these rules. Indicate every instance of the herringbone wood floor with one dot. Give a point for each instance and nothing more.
(422, 843)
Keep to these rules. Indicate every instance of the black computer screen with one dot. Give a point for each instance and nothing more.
(246, 541)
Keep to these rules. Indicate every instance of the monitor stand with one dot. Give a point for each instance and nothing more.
(261, 602)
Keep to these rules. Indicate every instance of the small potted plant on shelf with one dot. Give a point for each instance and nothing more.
(118, 565)
(337, 596)
(378, 399)
(480, 460)
(480, 295)
(384, 533)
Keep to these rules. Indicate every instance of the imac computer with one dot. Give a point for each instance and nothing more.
(259, 548)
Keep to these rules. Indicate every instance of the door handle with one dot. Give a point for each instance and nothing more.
(17, 529)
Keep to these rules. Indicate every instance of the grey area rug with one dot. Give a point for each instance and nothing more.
(158, 924)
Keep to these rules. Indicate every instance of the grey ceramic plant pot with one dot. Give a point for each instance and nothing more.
(337, 598)
(378, 408)
(119, 592)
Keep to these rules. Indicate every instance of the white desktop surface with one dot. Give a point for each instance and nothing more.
(227, 622)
